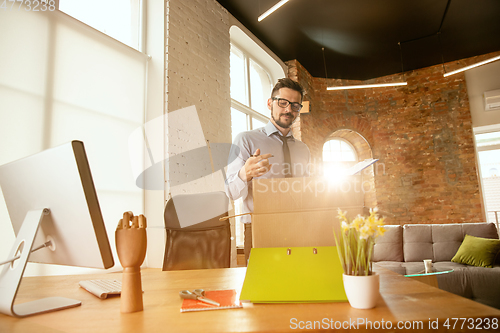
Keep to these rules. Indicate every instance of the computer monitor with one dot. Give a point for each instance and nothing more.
(51, 196)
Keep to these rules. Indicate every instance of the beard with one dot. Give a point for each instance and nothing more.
(281, 123)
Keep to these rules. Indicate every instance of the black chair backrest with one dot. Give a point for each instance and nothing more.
(196, 238)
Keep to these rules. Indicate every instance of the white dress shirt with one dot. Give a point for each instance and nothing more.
(267, 140)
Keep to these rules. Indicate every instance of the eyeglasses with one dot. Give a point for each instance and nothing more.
(283, 103)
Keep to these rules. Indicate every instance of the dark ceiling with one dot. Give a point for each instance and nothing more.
(360, 37)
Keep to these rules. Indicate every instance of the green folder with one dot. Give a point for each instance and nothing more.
(297, 274)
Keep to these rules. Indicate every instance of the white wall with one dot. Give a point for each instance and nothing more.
(197, 88)
(197, 74)
(479, 80)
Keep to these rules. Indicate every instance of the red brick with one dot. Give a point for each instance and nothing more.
(423, 130)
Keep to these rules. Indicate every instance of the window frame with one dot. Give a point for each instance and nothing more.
(483, 148)
(250, 116)
(139, 31)
(342, 140)
(248, 110)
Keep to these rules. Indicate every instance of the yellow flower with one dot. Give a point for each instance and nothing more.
(365, 232)
(342, 215)
(344, 226)
(356, 241)
(380, 231)
(380, 227)
(358, 222)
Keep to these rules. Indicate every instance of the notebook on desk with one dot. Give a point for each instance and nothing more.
(228, 299)
(290, 275)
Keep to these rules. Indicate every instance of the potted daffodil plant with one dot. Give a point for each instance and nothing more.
(355, 243)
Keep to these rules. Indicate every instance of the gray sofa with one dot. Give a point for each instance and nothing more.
(403, 248)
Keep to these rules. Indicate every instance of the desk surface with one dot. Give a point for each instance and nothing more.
(405, 300)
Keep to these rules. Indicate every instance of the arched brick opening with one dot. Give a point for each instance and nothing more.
(363, 151)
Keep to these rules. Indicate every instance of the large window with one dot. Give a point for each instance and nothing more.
(116, 18)
(253, 74)
(488, 150)
(250, 88)
(62, 81)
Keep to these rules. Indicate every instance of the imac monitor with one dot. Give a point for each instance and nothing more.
(51, 196)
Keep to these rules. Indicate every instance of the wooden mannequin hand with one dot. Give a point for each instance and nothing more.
(131, 241)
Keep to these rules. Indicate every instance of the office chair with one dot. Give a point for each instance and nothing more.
(206, 244)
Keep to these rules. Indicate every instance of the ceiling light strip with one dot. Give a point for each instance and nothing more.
(362, 86)
(272, 9)
(472, 66)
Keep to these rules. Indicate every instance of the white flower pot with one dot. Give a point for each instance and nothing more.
(362, 291)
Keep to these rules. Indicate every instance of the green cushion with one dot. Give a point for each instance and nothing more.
(477, 251)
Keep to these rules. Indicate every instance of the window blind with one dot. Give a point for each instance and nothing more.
(61, 80)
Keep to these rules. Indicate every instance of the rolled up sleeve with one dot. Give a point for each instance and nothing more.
(235, 187)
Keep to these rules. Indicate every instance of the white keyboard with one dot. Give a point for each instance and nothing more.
(102, 288)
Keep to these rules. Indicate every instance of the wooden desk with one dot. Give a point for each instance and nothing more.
(402, 300)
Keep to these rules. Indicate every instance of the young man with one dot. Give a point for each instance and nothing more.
(268, 152)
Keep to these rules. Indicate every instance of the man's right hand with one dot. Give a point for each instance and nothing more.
(256, 166)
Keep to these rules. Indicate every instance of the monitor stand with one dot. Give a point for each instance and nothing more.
(12, 274)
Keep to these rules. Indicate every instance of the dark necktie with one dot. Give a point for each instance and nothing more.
(286, 154)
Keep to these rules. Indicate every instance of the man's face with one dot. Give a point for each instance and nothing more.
(284, 117)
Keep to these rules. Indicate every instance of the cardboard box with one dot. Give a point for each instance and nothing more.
(298, 212)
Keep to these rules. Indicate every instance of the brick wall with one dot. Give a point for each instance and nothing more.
(299, 74)
(197, 50)
(421, 133)
(197, 63)
(197, 74)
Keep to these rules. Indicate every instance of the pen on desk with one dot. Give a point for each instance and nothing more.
(198, 294)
